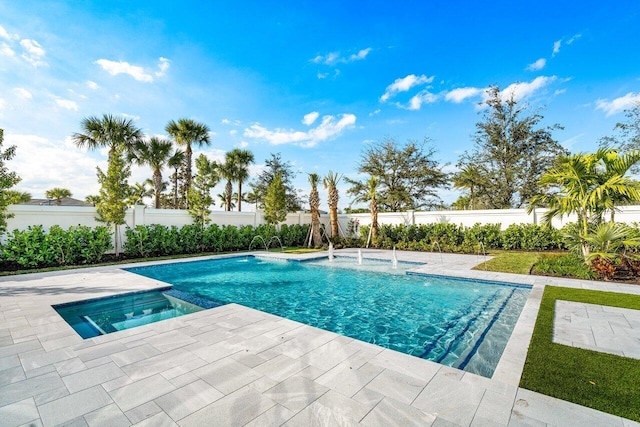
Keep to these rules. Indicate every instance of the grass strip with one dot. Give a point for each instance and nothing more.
(601, 381)
(518, 262)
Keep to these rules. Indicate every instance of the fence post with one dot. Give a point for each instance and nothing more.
(138, 215)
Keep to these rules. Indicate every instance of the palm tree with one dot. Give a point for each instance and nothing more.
(314, 205)
(109, 131)
(223, 199)
(331, 183)
(137, 193)
(57, 193)
(227, 170)
(175, 162)
(93, 200)
(119, 135)
(589, 185)
(155, 153)
(186, 132)
(468, 178)
(241, 160)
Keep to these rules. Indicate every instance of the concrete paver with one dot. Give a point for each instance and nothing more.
(233, 365)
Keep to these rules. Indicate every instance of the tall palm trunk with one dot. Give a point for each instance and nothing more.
(239, 196)
(187, 178)
(314, 205)
(228, 190)
(374, 218)
(157, 187)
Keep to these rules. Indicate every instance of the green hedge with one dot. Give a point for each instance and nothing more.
(458, 238)
(158, 240)
(33, 248)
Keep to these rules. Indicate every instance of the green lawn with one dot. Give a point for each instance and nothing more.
(601, 381)
(518, 262)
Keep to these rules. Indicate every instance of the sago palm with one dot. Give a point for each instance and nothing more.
(156, 154)
(331, 184)
(314, 206)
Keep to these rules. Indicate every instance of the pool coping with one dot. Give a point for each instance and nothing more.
(44, 350)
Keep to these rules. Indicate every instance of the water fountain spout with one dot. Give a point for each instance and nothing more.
(484, 254)
(278, 240)
(259, 238)
(394, 259)
(359, 256)
(331, 251)
(439, 250)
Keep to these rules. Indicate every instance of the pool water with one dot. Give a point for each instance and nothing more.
(90, 318)
(456, 322)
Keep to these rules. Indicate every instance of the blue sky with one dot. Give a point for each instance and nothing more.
(315, 81)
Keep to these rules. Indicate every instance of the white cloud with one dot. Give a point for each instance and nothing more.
(22, 93)
(120, 67)
(3, 33)
(404, 84)
(323, 75)
(225, 121)
(233, 132)
(538, 65)
(558, 43)
(374, 112)
(618, 104)
(67, 104)
(33, 52)
(5, 50)
(333, 58)
(58, 164)
(328, 128)
(523, 90)
(130, 116)
(163, 66)
(424, 97)
(362, 54)
(92, 85)
(310, 118)
(460, 94)
(242, 144)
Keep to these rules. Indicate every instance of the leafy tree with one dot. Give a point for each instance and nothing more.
(314, 205)
(588, 185)
(627, 134)
(156, 153)
(8, 180)
(199, 195)
(408, 175)
(511, 152)
(114, 191)
(119, 135)
(58, 194)
(274, 166)
(187, 132)
(275, 201)
(241, 160)
(331, 182)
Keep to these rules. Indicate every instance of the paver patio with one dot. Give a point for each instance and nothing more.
(233, 365)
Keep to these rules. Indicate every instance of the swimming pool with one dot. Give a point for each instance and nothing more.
(456, 322)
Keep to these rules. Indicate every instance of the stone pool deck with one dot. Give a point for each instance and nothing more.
(236, 366)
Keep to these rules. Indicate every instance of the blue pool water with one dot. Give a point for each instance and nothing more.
(461, 323)
(90, 318)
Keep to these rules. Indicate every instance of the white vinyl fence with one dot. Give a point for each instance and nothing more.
(66, 216)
